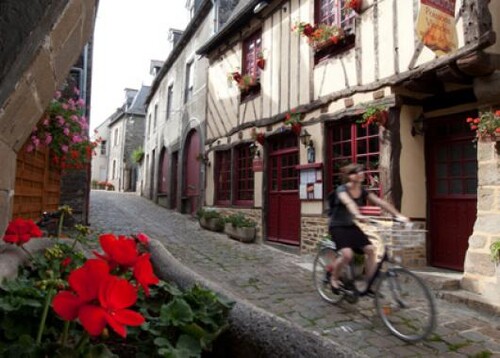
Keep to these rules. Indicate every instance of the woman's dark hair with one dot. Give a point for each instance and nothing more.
(351, 169)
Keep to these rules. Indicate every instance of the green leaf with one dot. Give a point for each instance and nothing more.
(99, 351)
(162, 342)
(176, 312)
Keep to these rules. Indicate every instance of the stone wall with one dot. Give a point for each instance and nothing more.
(46, 38)
(408, 245)
(481, 275)
(314, 229)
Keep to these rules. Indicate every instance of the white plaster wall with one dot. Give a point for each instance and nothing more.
(494, 7)
(412, 162)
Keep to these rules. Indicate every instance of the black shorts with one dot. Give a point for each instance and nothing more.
(349, 236)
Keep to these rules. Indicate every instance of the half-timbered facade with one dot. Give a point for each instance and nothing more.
(421, 157)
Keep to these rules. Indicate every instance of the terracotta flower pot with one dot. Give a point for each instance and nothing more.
(260, 138)
(261, 63)
(296, 128)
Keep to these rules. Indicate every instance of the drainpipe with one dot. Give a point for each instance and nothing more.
(216, 16)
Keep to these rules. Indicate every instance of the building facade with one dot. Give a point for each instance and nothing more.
(421, 155)
(176, 111)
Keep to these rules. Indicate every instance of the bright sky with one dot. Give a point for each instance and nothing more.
(128, 34)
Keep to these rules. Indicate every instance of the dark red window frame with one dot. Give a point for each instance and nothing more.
(222, 177)
(348, 143)
(332, 12)
(252, 45)
(243, 176)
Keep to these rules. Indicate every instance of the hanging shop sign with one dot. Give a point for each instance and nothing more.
(436, 26)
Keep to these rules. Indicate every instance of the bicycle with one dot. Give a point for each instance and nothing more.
(402, 300)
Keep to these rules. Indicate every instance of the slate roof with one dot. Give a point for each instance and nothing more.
(241, 14)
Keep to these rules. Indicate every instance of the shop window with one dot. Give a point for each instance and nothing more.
(243, 179)
(350, 143)
(222, 177)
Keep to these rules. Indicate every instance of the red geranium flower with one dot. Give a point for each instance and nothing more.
(115, 295)
(120, 251)
(84, 282)
(143, 238)
(143, 273)
(98, 298)
(20, 231)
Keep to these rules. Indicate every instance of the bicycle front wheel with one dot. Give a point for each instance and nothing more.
(321, 276)
(405, 305)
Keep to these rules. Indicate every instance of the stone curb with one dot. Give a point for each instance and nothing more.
(253, 331)
(11, 256)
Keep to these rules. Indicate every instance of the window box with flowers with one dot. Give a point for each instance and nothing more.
(375, 115)
(334, 28)
(247, 84)
(294, 120)
(487, 127)
(63, 129)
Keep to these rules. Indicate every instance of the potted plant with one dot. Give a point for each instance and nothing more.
(319, 36)
(210, 219)
(63, 304)
(374, 115)
(137, 155)
(495, 251)
(63, 130)
(294, 120)
(487, 125)
(354, 5)
(259, 137)
(240, 228)
(246, 82)
(261, 61)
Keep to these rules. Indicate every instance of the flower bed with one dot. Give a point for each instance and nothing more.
(63, 304)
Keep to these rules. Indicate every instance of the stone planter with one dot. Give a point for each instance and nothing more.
(213, 224)
(242, 234)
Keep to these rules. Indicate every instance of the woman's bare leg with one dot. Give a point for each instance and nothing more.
(339, 264)
(370, 261)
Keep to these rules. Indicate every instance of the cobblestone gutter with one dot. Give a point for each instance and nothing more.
(253, 332)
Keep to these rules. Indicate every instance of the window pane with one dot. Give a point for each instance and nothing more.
(470, 169)
(470, 186)
(455, 169)
(456, 186)
(442, 187)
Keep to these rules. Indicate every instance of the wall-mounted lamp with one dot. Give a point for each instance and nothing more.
(260, 6)
(254, 151)
(418, 126)
(305, 138)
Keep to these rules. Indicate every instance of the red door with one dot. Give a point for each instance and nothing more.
(283, 219)
(452, 184)
(192, 171)
(173, 176)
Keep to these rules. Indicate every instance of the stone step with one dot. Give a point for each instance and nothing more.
(439, 280)
(471, 300)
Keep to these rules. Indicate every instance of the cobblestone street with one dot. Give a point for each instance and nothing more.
(278, 282)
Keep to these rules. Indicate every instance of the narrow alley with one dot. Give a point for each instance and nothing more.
(279, 283)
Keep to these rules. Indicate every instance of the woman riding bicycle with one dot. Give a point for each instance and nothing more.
(348, 237)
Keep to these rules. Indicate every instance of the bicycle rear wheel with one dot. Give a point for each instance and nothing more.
(405, 305)
(321, 276)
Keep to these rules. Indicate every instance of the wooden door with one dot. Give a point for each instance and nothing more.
(452, 190)
(38, 184)
(283, 218)
(163, 174)
(192, 171)
(173, 176)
